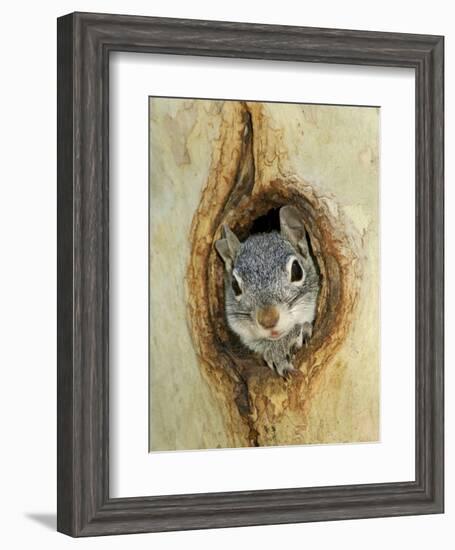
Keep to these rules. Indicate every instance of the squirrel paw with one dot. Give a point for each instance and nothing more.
(306, 333)
(283, 367)
(285, 370)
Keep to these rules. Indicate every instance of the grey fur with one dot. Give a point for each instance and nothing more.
(261, 269)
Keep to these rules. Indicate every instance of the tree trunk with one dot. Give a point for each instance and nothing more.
(234, 162)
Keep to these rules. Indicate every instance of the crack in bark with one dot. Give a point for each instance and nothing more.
(244, 182)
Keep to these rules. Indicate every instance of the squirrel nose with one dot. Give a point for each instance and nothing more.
(268, 316)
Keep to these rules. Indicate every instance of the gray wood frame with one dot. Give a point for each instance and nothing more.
(84, 44)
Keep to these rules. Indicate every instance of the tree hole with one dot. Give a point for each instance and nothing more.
(333, 258)
(262, 216)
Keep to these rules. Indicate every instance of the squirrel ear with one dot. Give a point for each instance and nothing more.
(293, 228)
(228, 246)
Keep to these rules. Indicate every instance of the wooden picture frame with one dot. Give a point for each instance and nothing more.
(84, 44)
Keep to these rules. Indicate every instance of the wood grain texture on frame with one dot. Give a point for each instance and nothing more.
(84, 43)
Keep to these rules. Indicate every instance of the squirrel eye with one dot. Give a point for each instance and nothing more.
(236, 287)
(296, 272)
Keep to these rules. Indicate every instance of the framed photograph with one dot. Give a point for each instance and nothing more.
(250, 274)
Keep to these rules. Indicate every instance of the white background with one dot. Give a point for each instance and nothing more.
(28, 274)
(133, 471)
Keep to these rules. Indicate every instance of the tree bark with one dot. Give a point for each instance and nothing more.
(324, 161)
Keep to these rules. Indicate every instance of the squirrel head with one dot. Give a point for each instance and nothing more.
(267, 278)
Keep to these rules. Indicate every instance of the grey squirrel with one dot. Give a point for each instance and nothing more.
(271, 286)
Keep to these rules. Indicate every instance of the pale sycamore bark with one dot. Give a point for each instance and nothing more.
(218, 162)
